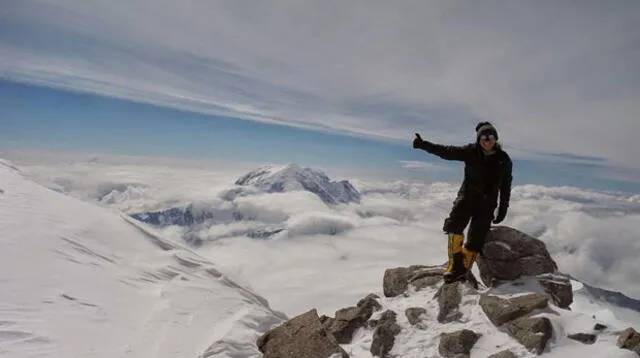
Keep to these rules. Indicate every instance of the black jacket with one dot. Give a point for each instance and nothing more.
(485, 176)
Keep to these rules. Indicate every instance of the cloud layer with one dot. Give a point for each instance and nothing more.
(296, 246)
(556, 78)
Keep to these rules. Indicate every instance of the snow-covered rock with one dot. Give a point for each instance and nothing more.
(516, 319)
(276, 179)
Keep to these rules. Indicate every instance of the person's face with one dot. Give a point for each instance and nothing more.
(487, 141)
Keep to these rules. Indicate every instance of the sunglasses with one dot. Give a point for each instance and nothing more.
(489, 137)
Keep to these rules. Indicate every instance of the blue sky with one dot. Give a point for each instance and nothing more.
(346, 83)
(43, 118)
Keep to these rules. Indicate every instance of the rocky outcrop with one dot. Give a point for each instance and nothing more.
(457, 344)
(502, 310)
(370, 302)
(302, 336)
(385, 334)
(629, 339)
(533, 333)
(519, 307)
(509, 254)
(396, 281)
(348, 320)
(514, 313)
(558, 288)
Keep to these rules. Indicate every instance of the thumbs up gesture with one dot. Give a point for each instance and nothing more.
(417, 141)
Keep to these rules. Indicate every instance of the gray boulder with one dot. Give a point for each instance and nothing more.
(502, 310)
(457, 344)
(386, 316)
(449, 297)
(370, 302)
(426, 277)
(558, 288)
(347, 321)
(414, 315)
(385, 334)
(629, 339)
(533, 333)
(302, 336)
(509, 254)
(396, 280)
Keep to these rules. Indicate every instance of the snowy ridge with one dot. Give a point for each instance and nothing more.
(5, 164)
(77, 280)
(277, 179)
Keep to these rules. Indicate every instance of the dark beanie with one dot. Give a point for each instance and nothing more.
(485, 128)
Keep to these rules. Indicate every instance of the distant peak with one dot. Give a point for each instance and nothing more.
(293, 177)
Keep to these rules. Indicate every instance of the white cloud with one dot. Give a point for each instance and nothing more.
(328, 257)
(554, 77)
(420, 165)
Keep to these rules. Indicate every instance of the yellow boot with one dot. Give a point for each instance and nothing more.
(456, 266)
(469, 257)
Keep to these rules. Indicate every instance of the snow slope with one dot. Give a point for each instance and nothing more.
(77, 280)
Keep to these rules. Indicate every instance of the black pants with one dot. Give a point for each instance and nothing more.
(474, 208)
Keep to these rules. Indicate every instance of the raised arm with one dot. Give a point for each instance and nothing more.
(448, 152)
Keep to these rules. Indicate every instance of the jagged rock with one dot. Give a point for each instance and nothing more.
(501, 310)
(397, 280)
(426, 277)
(302, 336)
(457, 343)
(629, 339)
(503, 354)
(413, 314)
(509, 254)
(533, 333)
(449, 297)
(370, 302)
(347, 321)
(558, 288)
(386, 316)
(599, 327)
(385, 334)
(586, 338)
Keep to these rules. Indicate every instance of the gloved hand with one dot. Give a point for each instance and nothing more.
(502, 213)
(417, 142)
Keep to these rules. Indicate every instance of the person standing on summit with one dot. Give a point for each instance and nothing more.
(487, 174)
